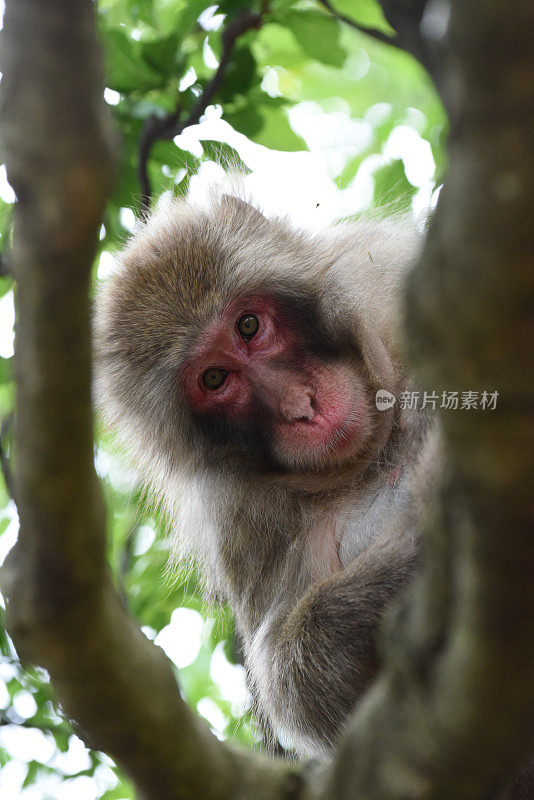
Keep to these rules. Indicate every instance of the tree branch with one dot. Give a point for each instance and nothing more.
(170, 125)
(405, 18)
(374, 33)
(453, 712)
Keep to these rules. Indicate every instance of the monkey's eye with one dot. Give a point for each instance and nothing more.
(214, 378)
(248, 326)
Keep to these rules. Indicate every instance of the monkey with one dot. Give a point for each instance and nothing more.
(240, 358)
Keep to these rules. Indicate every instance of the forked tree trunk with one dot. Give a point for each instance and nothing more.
(453, 709)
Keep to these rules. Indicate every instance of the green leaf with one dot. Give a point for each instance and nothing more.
(191, 12)
(181, 189)
(195, 680)
(231, 7)
(225, 155)
(6, 220)
(177, 158)
(247, 121)
(126, 12)
(6, 369)
(276, 132)
(126, 70)
(318, 35)
(393, 190)
(119, 792)
(275, 45)
(142, 10)
(34, 768)
(161, 54)
(240, 74)
(167, 13)
(5, 285)
(366, 12)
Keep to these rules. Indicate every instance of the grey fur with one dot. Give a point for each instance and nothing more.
(307, 557)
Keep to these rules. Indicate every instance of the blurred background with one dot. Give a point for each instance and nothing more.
(327, 122)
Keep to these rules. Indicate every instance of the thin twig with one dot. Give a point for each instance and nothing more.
(374, 33)
(405, 19)
(169, 126)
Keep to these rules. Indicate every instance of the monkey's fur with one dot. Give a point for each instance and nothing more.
(308, 556)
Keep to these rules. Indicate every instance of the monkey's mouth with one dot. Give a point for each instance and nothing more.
(313, 444)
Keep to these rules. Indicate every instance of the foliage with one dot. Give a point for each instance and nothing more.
(160, 56)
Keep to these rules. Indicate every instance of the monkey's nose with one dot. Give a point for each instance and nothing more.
(297, 405)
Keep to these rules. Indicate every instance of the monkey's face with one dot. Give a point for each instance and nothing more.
(232, 343)
(256, 375)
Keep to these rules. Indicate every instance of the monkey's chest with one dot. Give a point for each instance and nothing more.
(370, 517)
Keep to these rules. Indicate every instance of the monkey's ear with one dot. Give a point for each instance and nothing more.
(233, 208)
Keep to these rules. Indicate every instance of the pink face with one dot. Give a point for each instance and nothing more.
(252, 364)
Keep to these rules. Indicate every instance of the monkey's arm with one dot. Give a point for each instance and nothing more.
(325, 650)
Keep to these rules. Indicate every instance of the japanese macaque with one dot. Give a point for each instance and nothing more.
(241, 359)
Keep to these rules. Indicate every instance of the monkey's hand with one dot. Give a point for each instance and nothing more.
(324, 653)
